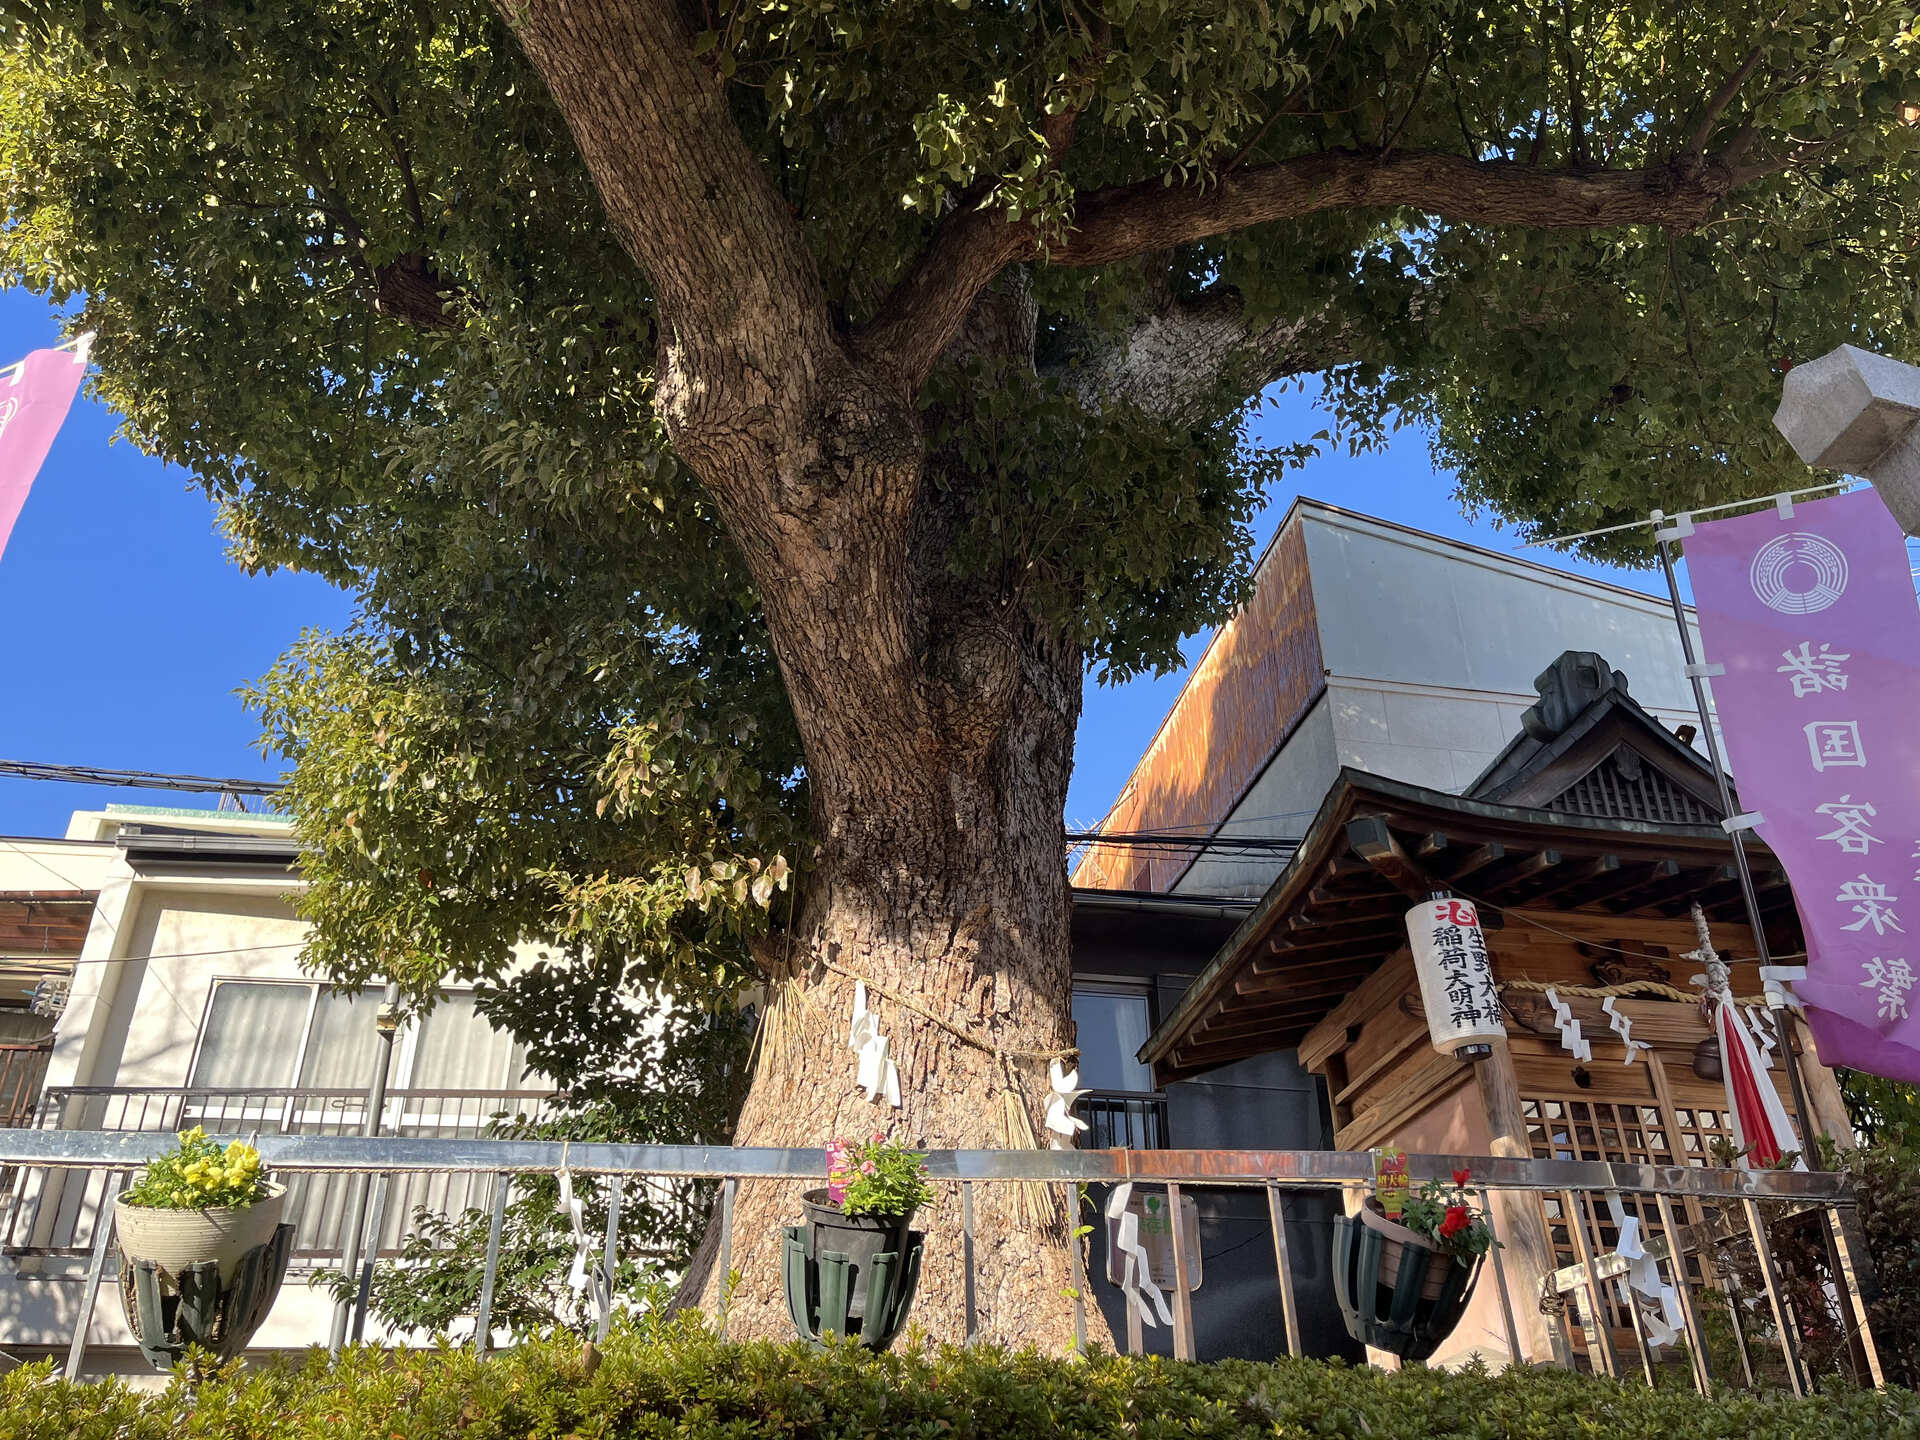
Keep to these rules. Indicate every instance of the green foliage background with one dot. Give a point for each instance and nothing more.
(348, 270)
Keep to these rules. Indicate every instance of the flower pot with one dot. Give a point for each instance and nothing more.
(175, 1239)
(822, 1293)
(1394, 1240)
(1395, 1291)
(859, 1238)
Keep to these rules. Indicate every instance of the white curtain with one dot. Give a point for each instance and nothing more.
(344, 1047)
(458, 1050)
(252, 1036)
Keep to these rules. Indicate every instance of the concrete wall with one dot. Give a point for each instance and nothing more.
(1395, 605)
(36, 863)
(1281, 802)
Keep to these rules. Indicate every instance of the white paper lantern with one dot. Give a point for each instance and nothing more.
(1456, 978)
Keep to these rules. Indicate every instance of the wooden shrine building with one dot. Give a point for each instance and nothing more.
(1584, 845)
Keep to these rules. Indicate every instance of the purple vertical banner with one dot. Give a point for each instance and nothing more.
(1814, 617)
(34, 397)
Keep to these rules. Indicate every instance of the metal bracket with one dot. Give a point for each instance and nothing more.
(1705, 670)
(1681, 528)
(1745, 820)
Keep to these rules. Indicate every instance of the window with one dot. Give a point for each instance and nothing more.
(1113, 1023)
(295, 1057)
(271, 1035)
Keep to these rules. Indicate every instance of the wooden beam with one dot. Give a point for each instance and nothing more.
(1266, 982)
(1477, 860)
(1355, 947)
(1517, 872)
(1372, 840)
(1302, 1005)
(1374, 994)
(1577, 876)
(1685, 882)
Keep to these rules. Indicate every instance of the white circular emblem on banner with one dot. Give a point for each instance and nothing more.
(1798, 573)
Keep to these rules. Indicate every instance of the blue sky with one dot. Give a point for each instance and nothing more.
(129, 631)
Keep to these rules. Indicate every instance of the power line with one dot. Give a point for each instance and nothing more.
(136, 779)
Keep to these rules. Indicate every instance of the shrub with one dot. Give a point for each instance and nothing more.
(676, 1380)
(1887, 1180)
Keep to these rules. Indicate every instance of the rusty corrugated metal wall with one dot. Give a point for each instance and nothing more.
(1259, 676)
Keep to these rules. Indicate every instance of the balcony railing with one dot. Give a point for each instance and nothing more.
(56, 1215)
(1124, 1120)
(22, 1068)
(491, 1165)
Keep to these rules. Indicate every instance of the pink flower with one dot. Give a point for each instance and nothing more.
(878, 1136)
(867, 1168)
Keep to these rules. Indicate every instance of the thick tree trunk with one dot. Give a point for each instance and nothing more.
(942, 883)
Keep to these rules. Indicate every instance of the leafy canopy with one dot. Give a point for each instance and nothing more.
(348, 269)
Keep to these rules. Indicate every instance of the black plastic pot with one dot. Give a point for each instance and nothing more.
(1396, 1293)
(859, 1238)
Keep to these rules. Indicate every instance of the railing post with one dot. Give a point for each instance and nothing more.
(966, 1260)
(1077, 1269)
(1183, 1348)
(96, 1270)
(483, 1325)
(1849, 1279)
(1599, 1340)
(1689, 1317)
(1289, 1315)
(729, 1188)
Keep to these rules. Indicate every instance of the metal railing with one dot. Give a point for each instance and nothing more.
(1124, 1120)
(22, 1069)
(492, 1164)
(58, 1216)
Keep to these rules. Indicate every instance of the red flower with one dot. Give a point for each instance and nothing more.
(1460, 1177)
(1455, 1221)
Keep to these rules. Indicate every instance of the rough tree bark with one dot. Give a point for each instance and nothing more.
(937, 717)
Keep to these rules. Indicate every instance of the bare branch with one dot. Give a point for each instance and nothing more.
(1177, 360)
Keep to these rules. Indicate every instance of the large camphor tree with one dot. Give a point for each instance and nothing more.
(746, 423)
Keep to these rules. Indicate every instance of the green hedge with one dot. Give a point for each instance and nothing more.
(682, 1383)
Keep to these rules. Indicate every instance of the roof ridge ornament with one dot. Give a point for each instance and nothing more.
(1567, 687)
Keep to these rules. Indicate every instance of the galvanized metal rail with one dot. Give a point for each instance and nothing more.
(1274, 1171)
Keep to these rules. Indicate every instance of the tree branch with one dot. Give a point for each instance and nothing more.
(1718, 102)
(1113, 224)
(920, 318)
(1175, 361)
(737, 290)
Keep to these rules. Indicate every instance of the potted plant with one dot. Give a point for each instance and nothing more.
(1402, 1281)
(203, 1246)
(853, 1266)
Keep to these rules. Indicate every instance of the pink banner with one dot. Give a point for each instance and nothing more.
(1815, 619)
(34, 397)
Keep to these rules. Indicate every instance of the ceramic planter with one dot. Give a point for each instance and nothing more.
(851, 1275)
(203, 1278)
(175, 1239)
(1396, 1292)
